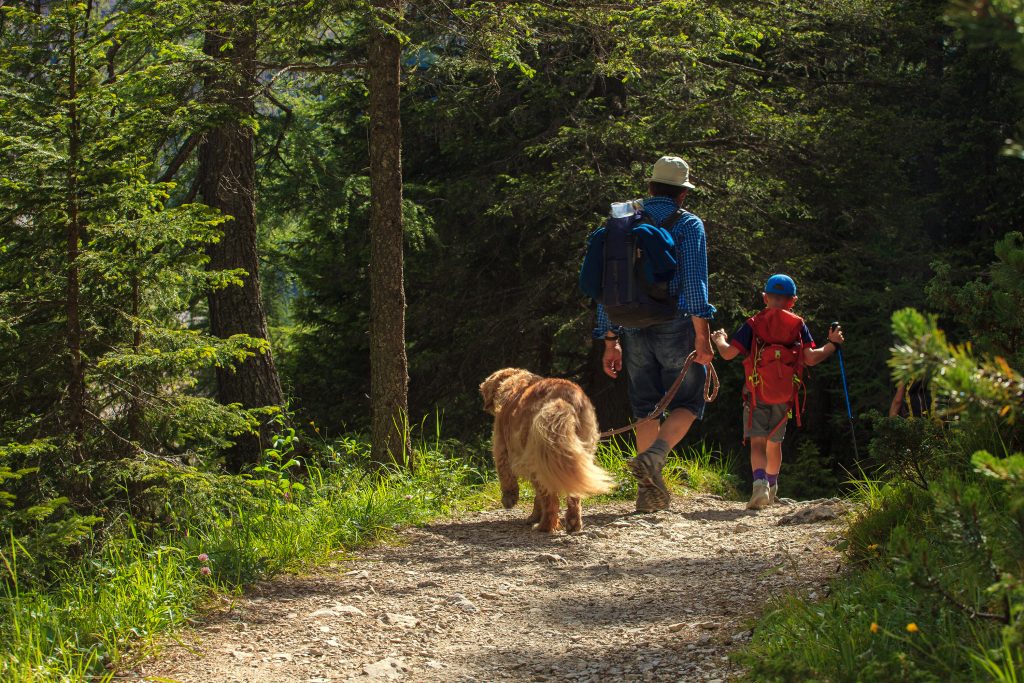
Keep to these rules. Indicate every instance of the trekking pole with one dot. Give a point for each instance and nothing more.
(846, 392)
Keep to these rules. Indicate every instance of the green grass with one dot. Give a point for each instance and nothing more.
(145, 576)
(689, 468)
(919, 598)
(131, 588)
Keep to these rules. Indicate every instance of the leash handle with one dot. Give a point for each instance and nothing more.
(711, 386)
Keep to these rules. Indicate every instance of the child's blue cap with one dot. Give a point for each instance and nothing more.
(780, 284)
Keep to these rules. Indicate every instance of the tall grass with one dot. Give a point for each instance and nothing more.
(131, 588)
(699, 467)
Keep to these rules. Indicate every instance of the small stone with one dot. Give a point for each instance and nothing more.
(552, 558)
(434, 664)
(403, 620)
(238, 654)
(675, 628)
(487, 595)
(283, 656)
(390, 669)
(707, 625)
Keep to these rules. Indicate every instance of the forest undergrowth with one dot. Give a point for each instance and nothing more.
(193, 535)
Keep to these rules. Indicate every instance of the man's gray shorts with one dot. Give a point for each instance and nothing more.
(767, 417)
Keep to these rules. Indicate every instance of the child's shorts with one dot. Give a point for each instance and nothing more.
(766, 417)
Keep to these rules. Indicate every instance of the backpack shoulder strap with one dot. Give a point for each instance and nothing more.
(665, 224)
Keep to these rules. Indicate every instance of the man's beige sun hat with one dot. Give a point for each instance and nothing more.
(671, 171)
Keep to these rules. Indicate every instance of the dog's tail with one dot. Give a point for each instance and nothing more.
(563, 440)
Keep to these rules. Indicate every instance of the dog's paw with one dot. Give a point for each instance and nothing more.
(509, 499)
(573, 525)
(548, 528)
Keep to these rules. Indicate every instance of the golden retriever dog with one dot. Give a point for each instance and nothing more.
(545, 431)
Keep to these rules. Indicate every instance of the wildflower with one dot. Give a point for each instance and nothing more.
(205, 571)
(874, 627)
(873, 546)
(912, 628)
(203, 557)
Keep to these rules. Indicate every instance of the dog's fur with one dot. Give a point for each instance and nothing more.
(545, 430)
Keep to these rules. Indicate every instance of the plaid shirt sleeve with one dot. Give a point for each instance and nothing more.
(603, 324)
(691, 280)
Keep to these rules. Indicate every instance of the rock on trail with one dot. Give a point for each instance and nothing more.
(662, 597)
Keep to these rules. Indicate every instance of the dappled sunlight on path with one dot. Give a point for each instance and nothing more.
(663, 597)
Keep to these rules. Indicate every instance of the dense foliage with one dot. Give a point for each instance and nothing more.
(870, 148)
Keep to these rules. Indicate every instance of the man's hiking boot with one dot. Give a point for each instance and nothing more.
(759, 496)
(773, 494)
(651, 499)
(652, 491)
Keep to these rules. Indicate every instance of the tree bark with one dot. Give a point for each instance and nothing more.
(227, 179)
(389, 371)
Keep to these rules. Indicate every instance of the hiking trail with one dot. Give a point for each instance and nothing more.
(481, 597)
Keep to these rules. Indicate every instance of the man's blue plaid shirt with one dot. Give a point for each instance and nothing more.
(690, 283)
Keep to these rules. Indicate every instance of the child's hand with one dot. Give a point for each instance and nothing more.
(835, 334)
(719, 337)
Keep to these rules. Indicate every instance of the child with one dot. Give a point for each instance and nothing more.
(776, 346)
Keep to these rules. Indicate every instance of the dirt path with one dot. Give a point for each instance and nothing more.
(661, 597)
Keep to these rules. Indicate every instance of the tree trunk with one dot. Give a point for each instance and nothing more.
(76, 371)
(227, 177)
(389, 371)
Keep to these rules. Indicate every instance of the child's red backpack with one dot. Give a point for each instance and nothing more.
(775, 365)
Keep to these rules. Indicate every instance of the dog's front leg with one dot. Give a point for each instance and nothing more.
(509, 483)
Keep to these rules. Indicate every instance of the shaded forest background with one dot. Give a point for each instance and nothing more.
(192, 261)
(857, 145)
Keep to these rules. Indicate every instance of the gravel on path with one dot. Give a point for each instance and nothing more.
(657, 597)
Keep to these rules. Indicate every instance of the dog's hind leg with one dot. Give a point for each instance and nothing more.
(538, 501)
(549, 521)
(509, 483)
(573, 514)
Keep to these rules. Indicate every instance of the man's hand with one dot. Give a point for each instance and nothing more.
(612, 360)
(705, 354)
(702, 341)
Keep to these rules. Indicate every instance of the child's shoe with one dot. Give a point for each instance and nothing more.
(773, 494)
(759, 495)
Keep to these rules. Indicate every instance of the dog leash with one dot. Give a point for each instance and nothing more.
(711, 386)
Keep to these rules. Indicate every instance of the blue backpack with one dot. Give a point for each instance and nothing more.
(629, 264)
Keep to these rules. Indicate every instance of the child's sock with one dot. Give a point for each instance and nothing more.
(773, 479)
(759, 474)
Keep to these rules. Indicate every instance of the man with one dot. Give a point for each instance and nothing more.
(654, 355)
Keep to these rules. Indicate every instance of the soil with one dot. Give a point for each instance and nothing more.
(656, 597)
